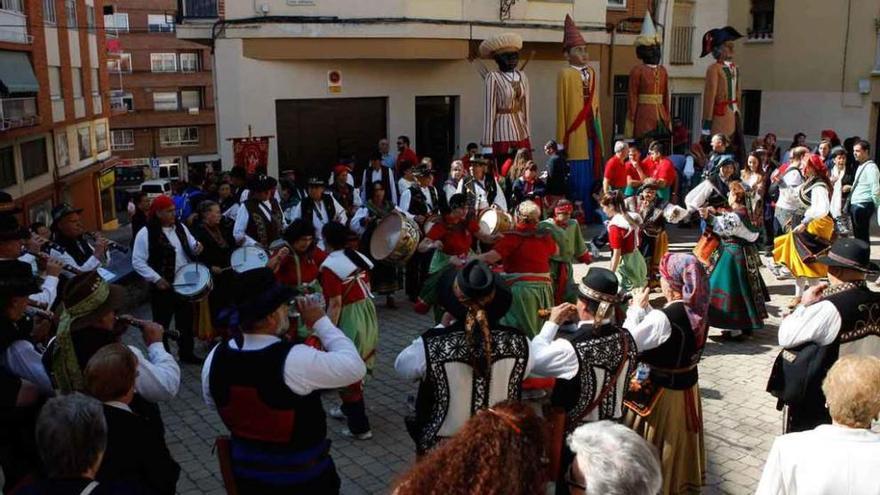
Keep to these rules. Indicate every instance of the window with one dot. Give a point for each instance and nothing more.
(77, 82)
(189, 62)
(190, 98)
(49, 11)
(116, 23)
(85, 143)
(621, 88)
(122, 139)
(762, 19)
(7, 167)
(160, 23)
(70, 8)
(163, 62)
(165, 102)
(617, 4)
(121, 100)
(55, 90)
(34, 161)
(751, 112)
(686, 107)
(120, 64)
(14, 5)
(101, 137)
(90, 18)
(172, 137)
(62, 152)
(96, 82)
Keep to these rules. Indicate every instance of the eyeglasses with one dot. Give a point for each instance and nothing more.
(569, 479)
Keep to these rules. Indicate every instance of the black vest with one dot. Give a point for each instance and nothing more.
(259, 228)
(610, 348)
(308, 208)
(386, 181)
(470, 189)
(162, 257)
(418, 203)
(805, 194)
(78, 248)
(257, 406)
(674, 363)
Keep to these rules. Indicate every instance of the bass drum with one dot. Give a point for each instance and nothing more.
(247, 258)
(193, 281)
(494, 221)
(395, 239)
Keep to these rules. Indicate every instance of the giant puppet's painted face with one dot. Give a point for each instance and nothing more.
(724, 52)
(507, 61)
(649, 54)
(577, 55)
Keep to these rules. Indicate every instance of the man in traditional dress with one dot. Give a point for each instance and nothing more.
(654, 242)
(260, 220)
(572, 249)
(647, 117)
(418, 203)
(69, 235)
(481, 187)
(318, 208)
(722, 94)
(469, 365)
(506, 108)
(578, 127)
(841, 318)
(376, 172)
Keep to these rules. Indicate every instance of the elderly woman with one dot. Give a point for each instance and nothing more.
(611, 458)
(456, 172)
(214, 231)
(664, 398)
(838, 458)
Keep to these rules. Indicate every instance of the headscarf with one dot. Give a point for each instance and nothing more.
(160, 202)
(685, 274)
(65, 367)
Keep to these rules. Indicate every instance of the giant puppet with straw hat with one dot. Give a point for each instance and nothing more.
(722, 94)
(578, 127)
(647, 116)
(506, 108)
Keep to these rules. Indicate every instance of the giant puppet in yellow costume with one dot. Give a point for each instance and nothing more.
(578, 127)
(647, 116)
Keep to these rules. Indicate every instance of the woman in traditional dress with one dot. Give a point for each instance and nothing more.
(739, 294)
(841, 177)
(456, 172)
(407, 179)
(653, 241)
(712, 192)
(214, 231)
(753, 180)
(345, 193)
(664, 406)
(385, 278)
(623, 238)
(525, 255)
(799, 248)
(300, 269)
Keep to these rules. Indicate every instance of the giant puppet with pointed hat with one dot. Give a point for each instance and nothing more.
(578, 127)
(722, 94)
(647, 116)
(506, 108)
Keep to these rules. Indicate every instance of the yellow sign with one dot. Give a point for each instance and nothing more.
(107, 179)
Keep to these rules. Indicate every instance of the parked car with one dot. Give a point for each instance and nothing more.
(156, 187)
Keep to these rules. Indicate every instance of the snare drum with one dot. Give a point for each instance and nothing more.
(193, 281)
(395, 238)
(248, 257)
(494, 221)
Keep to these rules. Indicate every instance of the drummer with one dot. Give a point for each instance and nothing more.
(525, 255)
(160, 249)
(384, 277)
(319, 208)
(482, 188)
(300, 269)
(418, 203)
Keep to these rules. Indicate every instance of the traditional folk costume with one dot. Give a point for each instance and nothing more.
(384, 278)
(647, 115)
(572, 248)
(578, 126)
(844, 321)
(259, 222)
(344, 192)
(632, 271)
(218, 243)
(799, 251)
(665, 405)
(482, 194)
(722, 93)
(77, 252)
(267, 392)
(457, 237)
(654, 242)
(341, 276)
(300, 271)
(459, 370)
(738, 293)
(384, 175)
(320, 213)
(418, 201)
(506, 108)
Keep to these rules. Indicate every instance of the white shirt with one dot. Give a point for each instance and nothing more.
(829, 460)
(482, 200)
(731, 225)
(241, 223)
(789, 187)
(141, 252)
(837, 174)
(158, 376)
(820, 204)
(406, 199)
(819, 323)
(649, 329)
(372, 175)
(49, 288)
(90, 264)
(320, 217)
(22, 360)
(698, 196)
(554, 357)
(233, 210)
(306, 369)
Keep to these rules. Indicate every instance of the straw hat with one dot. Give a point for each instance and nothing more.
(502, 43)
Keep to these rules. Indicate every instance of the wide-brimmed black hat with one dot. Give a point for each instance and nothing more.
(475, 281)
(422, 170)
(18, 279)
(717, 37)
(262, 183)
(316, 182)
(63, 210)
(852, 254)
(599, 284)
(260, 295)
(88, 297)
(10, 229)
(7, 204)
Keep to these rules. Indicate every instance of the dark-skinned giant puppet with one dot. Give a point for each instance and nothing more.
(722, 95)
(506, 108)
(578, 128)
(647, 116)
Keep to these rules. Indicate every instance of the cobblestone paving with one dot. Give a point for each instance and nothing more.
(740, 419)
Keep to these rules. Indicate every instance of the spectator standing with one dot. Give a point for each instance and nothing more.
(865, 196)
(615, 169)
(404, 154)
(389, 158)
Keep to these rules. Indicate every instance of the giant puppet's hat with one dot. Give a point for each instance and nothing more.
(502, 43)
(649, 35)
(572, 37)
(717, 37)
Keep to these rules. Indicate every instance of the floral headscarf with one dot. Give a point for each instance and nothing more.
(685, 274)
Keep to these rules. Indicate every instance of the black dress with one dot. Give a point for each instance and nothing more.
(218, 245)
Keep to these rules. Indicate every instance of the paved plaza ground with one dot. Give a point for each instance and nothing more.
(740, 418)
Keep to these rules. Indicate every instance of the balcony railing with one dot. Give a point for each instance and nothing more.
(197, 9)
(18, 112)
(14, 24)
(681, 51)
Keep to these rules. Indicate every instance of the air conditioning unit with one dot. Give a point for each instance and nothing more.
(194, 111)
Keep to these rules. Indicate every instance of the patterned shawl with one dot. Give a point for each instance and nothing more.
(685, 274)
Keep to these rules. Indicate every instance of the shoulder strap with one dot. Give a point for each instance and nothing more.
(89, 488)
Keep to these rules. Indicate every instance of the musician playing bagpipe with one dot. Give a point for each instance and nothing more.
(567, 234)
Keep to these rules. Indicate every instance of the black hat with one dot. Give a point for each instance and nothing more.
(422, 170)
(599, 284)
(316, 182)
(717, 37)
(10, 229)
(89, 285)
(262, 183)
(62, 211)
(18, 279)
(260, 295)
(474, 281)
(7, 204)
(852, 254)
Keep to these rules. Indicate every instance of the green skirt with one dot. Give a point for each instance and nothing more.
(632, 271)
(358, 322)
(737, 291)
(528, 298)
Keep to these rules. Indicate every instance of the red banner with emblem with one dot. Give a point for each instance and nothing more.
(252, 154)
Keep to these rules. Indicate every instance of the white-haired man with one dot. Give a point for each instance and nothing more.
(615, 169)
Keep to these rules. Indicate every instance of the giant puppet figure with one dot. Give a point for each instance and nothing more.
(578, 128)
(506, 109)
(722, 94)
(647, 116)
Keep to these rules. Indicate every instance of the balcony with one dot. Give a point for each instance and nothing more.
(18, 112)
(681, 51)
(14, 24)
(197, 9)
(118, 106)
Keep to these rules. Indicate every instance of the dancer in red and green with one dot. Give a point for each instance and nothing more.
(572, 249)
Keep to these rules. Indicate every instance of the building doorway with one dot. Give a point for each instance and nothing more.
(314, 134)
(436, 119)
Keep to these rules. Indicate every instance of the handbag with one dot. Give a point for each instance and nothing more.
(798, 372)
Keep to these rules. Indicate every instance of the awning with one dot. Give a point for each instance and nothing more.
(202, 158)
(16, 73)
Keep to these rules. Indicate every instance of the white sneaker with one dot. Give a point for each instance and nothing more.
(336, 413)
(594, 251)
(359, 436)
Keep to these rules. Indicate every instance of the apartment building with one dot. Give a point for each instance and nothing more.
(54, 130)
(161, 96)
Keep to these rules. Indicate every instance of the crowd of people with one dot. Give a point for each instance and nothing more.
(529, 375)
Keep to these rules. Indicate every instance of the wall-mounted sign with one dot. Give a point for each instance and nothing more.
(334, 81)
